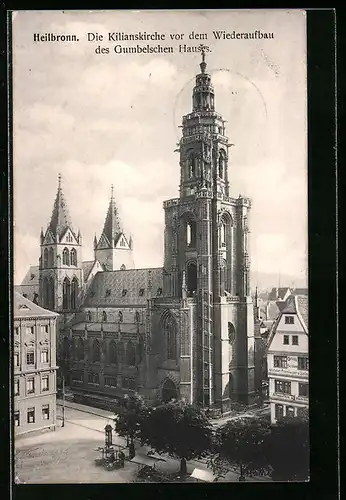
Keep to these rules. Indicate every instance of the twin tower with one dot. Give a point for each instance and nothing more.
(63, 276)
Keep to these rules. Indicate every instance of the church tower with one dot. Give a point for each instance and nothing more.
(60, 264)
(114, 250)
(206, 247)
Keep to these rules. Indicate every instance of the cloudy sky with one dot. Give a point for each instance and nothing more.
(114, 119)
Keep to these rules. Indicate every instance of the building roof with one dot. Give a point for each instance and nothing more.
(300, 291)
(31, 277)
(295, 304)
(280, 304)
(303, 309)
(87, 266)
(278, 293)
(24, 308)
(60, 219)
(124, 287)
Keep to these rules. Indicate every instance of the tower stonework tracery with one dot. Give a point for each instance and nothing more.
(206, 242)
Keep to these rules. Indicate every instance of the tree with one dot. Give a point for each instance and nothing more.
(241, 445)
(289, 449)
(129, 420)
(179, 429)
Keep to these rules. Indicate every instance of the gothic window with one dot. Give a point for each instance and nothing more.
(137, 317)
(130, 354)
(66, 348)
(66, 294)
(45, 292)
(73, 257)
(51, 257)
(51, 294)
(191, 277)
(120, 317)
(74, 293)
(104, 316)
(80, 348)
(96, 351)
(140, 350)
(222, 164)
(120, 352)
(66, 257)
(45, 258)
(123, 267)
(170, 336)
(112, 353)
(222, 234)
(191, 233)
(231, 333)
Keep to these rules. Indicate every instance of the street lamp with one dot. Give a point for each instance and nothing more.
(63, 401)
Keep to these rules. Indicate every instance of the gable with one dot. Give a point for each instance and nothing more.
(68, 237)
(103, 242)
(49, 238)
(122, 242)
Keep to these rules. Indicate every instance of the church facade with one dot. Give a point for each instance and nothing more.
(185, 330)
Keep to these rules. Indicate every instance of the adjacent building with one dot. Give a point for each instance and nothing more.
(184, 330)
(34, 366)
(288, 360)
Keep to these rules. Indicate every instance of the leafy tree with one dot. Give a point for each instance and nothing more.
(178, 429)
(129, 420)
(241, 445)
(289, 449)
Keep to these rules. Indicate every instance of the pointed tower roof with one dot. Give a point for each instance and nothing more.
(60, 220)
(112, 227)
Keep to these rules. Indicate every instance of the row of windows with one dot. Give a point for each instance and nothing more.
(124, 291)
(284, 387)
(289, 410)
(30, 386)
(286, 340)
(281, 362)
(30, 330)
(69, 291)
(109, 381)
(30, 358)
(69, 257)
(137, 317)
(30, 418)
(116, 352)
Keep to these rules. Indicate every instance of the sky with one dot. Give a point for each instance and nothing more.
(103, 119)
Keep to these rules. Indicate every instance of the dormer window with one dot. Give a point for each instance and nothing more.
(23, 306)
(289, 320)
(108, 292)
(124, 292)
(159, 291)
(141, 292)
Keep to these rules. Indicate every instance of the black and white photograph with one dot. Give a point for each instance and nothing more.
(160, 246)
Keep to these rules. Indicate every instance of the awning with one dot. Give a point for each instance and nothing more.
(203, 475)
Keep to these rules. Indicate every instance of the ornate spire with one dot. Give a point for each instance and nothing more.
(60, 219)
(112, 226)
(203, 64)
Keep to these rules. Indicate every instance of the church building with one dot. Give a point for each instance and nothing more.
(185, 330)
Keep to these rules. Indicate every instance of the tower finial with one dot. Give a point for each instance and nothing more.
(112, 192)
(203, 64)
(59, 180)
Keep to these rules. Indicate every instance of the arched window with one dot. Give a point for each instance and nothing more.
(120, 317)
(122, 267)
(66, 348)
(104, 316)
(112, 353)
(222, 234)
(51, 257)
(51, 294)
(137, 317)
(45, 258)
(170, 335)
(120, 352)
(45, 292)
(231, 333)
(66, 257)
(80, 348)
(191, 233)
(96, 351)
(130, 354)
(66, 294)
(73, 257)
(191, 277)
(222, 164)
(74, 293)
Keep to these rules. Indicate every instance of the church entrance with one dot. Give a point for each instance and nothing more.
(169, 391)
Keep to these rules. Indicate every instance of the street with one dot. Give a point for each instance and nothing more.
(67, 455)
